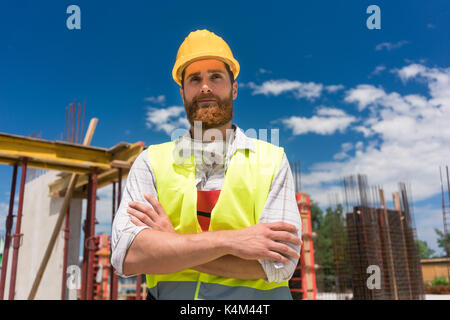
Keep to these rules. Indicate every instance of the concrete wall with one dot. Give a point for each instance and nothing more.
(40, 213)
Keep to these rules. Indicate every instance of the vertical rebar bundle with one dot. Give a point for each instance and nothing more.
(381, 238)
(446, 215)
(74, 114)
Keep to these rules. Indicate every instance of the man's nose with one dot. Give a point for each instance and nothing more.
(206, 88)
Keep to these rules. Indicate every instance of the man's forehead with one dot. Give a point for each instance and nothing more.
(205, 65)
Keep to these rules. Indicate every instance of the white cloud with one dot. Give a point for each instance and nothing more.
(364, 94)
(340, 156)
(334, 88)
(263, 71)
(407, 138)
(347, 146)
(367, 132)
(300, 90)
(410, 71)
(378, 70)
(359, 145)
(161, 99)
(307, 90)
(333, 112)
(391, 46)
(327, 121)
(166, 119)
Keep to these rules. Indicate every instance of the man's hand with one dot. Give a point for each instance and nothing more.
(262, 241)
(144, 215)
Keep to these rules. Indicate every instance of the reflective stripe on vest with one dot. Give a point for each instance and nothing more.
(185, 290)
(174, 290)
(242, 198)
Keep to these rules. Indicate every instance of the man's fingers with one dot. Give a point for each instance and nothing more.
(284, 250)
(137, 221)
(274, 256)
(155, 204)
(142, 217)
(286, 237)
(282, 226)
(144, 208)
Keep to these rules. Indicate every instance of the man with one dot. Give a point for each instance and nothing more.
(212, 214)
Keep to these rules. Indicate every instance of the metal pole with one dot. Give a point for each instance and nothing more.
(78, 123)
(447, 248)
(82, 119)
(17, 235)
(299, 175)
(119, 197)
(66, 252)
(91, 243)
(295, 177)
(113, 276)
(86, 229)
(138, 287)
(9, 224)
(389, 244)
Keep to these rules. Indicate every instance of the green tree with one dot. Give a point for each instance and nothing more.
(330, 246)
(424, 251)
(316, 216)
(444, 245)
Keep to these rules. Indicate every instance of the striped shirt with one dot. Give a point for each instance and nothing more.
(211, 165)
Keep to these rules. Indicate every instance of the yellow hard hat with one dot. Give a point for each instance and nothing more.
(203, 44)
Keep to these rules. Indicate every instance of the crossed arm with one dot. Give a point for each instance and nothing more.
(227, 253)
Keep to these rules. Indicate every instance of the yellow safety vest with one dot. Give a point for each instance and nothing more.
(241, 201)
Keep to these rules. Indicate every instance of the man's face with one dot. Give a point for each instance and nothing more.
(208, 94)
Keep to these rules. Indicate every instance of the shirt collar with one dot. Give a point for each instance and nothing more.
(239, 141)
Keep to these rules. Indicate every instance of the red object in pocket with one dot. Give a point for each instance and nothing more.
(206, 200)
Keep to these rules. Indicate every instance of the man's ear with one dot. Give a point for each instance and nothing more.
(181, 92)
(235, 87)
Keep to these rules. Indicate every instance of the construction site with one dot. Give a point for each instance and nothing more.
(370, 254)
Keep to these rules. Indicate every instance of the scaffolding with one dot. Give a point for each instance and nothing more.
(303, 282)
(384, 239)
(93, 168)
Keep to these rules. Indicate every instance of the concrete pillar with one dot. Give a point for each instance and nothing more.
(40, 213)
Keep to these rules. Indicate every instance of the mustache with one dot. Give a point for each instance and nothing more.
(208, 96)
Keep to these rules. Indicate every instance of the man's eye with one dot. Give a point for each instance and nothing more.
(195, 79)
(215, 76)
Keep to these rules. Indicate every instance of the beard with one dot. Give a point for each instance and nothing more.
(213, 114)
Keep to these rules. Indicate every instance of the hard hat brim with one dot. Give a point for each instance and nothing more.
(182, 63)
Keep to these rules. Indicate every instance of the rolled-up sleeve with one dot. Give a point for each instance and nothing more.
(281, 205)
(140, 180)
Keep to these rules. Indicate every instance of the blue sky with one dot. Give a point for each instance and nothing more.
(345, 99)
